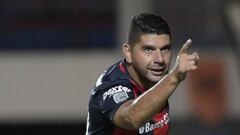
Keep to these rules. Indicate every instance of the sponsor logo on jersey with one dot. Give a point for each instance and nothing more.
(148, 127)
(120, 91)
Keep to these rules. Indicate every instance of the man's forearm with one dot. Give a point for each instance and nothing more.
(153, 101)
(137, 112)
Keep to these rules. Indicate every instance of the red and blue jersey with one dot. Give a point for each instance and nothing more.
(113, 88)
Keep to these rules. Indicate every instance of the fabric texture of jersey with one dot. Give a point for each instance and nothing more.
(113, 88)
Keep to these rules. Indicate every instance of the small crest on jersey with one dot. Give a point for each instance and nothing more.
(141, 130)
(120, 97)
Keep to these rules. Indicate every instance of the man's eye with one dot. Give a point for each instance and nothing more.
(165, 49)
(148, 50)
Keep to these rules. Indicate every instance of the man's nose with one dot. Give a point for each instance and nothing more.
(158, 57)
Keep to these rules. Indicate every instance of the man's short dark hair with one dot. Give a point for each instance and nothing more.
(146, 23)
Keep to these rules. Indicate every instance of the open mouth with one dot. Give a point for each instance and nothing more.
(157, 72)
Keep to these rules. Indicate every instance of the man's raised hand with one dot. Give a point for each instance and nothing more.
(185, 62)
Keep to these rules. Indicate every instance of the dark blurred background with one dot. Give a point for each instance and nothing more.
(52, 52)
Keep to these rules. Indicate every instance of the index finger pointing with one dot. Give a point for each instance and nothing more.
(186, 46)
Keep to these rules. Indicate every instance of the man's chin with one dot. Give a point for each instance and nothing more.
(155, 79)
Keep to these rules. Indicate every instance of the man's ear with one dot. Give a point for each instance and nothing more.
(127, 52)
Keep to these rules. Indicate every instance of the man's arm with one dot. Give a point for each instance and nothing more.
(134, 113)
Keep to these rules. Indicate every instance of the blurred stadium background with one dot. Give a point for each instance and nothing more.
(52, 52)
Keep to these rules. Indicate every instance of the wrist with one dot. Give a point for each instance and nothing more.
(176, 77)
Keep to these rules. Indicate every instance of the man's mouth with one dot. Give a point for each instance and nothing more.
(157, 72)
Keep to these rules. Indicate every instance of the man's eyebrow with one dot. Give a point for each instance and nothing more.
(153, 46)
(147, 46)
(169, 45)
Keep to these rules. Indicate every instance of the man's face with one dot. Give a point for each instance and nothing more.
(151, 57)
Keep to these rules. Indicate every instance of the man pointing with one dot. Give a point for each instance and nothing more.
(131, 96)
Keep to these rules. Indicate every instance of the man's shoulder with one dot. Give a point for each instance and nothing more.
(113, 85)
(109, 89)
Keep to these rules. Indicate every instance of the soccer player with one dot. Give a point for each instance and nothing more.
(131, 96)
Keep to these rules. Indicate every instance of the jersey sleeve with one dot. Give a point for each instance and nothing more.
(113, 97)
